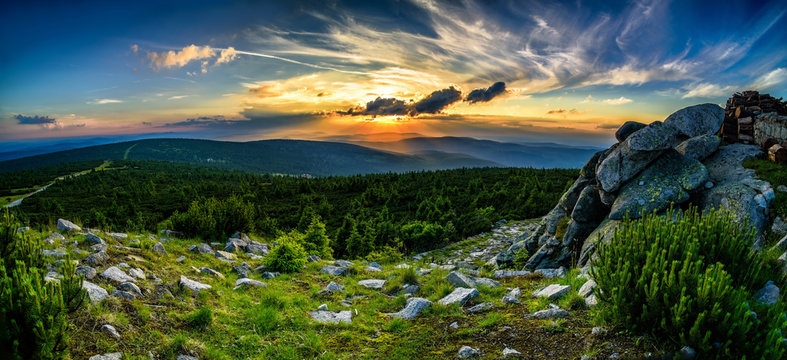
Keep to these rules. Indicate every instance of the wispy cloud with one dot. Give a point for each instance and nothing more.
(186, 55)
(103, 101)
(706, 90)
(616, 101)
(769, 80)
(178, 97)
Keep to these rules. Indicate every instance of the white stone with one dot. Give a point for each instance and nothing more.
(94, 292)
(587, 288)
(67, 226)
(412, 308)
(553, 291)
(513, 296)
(249, 282)
(109, 356)
(459, 296)
(332, 317)
(192, 285)
(115, 274)
(372, 283)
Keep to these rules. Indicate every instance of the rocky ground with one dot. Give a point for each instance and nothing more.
(158, 297)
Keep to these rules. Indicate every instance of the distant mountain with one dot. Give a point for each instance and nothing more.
(317, 158)
(538, 155)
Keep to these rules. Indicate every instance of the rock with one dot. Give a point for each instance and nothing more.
(552, 273)
(569, 198)
(192, 285)
(598, 330)
(185, 357)
(372, 283)
(211, 272)
(67, 226)
(94, 292)
(587, 288)
(697, 120)
(241, 236)
(245, 282)
(376, 266)
(779, 226)
(98, 247)
(110, 330)
(667, 181)
(124, 294)
(202, 248)
(270, 275)
(372, 269)
(551, 313)
(466, 352)
(412, 308)
(117, 236)
(91, 238)
(499, 274)
(511, 353)
(333, 270)
(591, 301)
(454, 325)
(769, 294)
(312, 258)
(323, 307)
(109, 356)
(699, 147)
(411, 289)
(54, 237)
(589, 207)
(257, 248)
(96, 259)
(741, 202)
(334, 287)
(461, 280)
(459, 296)
(480, 307)
(782, 188)
(553, 291)
(53, 253)
(137, 273)
(234, 245)
(86, 271)
(115, 274)
(343, 263)
(628, 128)
(687, 353)
(130, 287)
(331, 317)
(223, 255)
(159, 248)
(782, 244)
(513, 296)
(242, 270)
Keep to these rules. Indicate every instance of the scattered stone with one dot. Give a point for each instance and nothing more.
(130, 287)
(115, 274)
(234, 245)
(769, 294)
(466, 352)
(123, 265)
(242, 270)
(245, 282)
(312, 258)
(375, 265)
(552, 313)
(782, 188)
(54, 237)
(209, 271)
(461, 280)
(159, 248)
(591, 301)
(587, 288)
(201, 248)
(110, 330)
(192, 285)
(552, 273)
(480, 307)
(372, 283)
(508, 352)
(94, 292)
(412, 308)
(98, 247)
(53, 253)
(333, 270)
(334, 287)
(180, 259)
(343, 263)
(699, 147)
(454, 325)
(598, 330)
(513, 296)
(372, 269)
(87, 271)
(123, 294)
(223, 255)
(185, 357)
(499, 274)
(91, 238)
(118, 236)
(108, 356)
(411, 289)
(137, 273)
(553, 291)
(67, 226)
(257, 248)
(96, 259)
(459, 296)
(270, 275)
(331, 317)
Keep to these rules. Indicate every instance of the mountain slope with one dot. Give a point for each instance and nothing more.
(266, 156)
(538, 155)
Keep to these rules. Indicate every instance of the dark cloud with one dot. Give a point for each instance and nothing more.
(255, 120)
(433, 103)
(203, 121)
(484, 95)
(608, 126)
(563, 111)
(35, 120)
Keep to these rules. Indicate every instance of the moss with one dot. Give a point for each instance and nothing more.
(562, 227)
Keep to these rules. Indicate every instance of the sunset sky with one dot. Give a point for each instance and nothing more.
(567, 72)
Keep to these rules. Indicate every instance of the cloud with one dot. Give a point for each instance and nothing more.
(706, 90)
(178, 97)
(135, 48)
(204, 121)
(484, 95)
(769, 80)
(227, 55)
(433, 103)
(104, 101)
(619, 101)
(36, 120)
(180, 58)
(563, 111)
(437, 101)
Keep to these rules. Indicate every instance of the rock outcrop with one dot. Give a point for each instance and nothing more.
(652, 168)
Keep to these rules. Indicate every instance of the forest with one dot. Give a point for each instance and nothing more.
(405, 212)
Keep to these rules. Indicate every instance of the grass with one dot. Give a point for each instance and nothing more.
(776, 175)
(273, 322)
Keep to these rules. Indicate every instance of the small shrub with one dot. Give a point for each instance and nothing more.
(520, 258)
(201, 318)
(287, 257)
(410, 276)
(491, 319)
(562, 227)
(386, 255)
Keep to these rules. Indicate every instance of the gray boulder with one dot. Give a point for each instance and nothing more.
(553, 291)
(769, 294)
(137, 273)
(331, 317)
(480, 307)
(246, 282)
(159, 248)
(570, 197)
(343, 263)
(53, 237)
(257, 248)
(86, 271)
(202, 248)
(94, 292)
(192, 285)
(623, 164)
(211, 272)
(699, 147)
(116, 275)
(333, 270)
(334, 287)
(587, 288)
(412, 308)
(553, 312)
(459, 296)
(130, 287)
(589, 207)
(109, 356)
(499, 274)
(697, 120)
(235, 245)
(110, 330)
(91, 238)
(124, 294)
(552, 273)
(372, 283)
(53, 253)
(67, 226)
(466, 352)
(461, 280)
(628, 128)
(513, 296)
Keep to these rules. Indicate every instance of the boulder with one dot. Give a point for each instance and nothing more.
(86, 271)
(137, 273)
(67, 226)
(108, 356)
(768, 295)
(551, 313)
(699, 147)
(257, 248)
(513, 296)
(412, 308)
(480, 307)
(459, 296)
(628, 128)
(110, 330)
(621, 165)
(461, 280)
(192, 285)
(130, 287)
(587, 288)
(54, 237)
(667, 181)
(603, 232)
(159, 248)
(211, 272)
(372, 283)
(466, 352)
(331, 317)
(202, 248)
(91, 238)
(94, 292)
(499, 274)
(235, 245)
(312, 258)
(117, 236)
(697, 120)
(343, 263)
(246, 282)
(226, 256)
(124, 294)
(553, 291)
(333, 270)
(510, 353)
(242, 270)
(334, 287)
(570, 197)
(241, 236)
(53, 253)
(589, 207)
(116, 275)
(552, 273)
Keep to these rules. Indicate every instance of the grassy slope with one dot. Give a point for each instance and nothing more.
(273, 322)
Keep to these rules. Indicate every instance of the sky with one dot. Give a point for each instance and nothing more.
(522, 71)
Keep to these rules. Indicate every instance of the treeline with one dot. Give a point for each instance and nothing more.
(18, 182)
(408, 212)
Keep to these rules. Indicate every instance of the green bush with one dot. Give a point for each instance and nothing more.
(689, 279)
(215, 218)
(201, 318)
(316, 240)
(288, 256)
